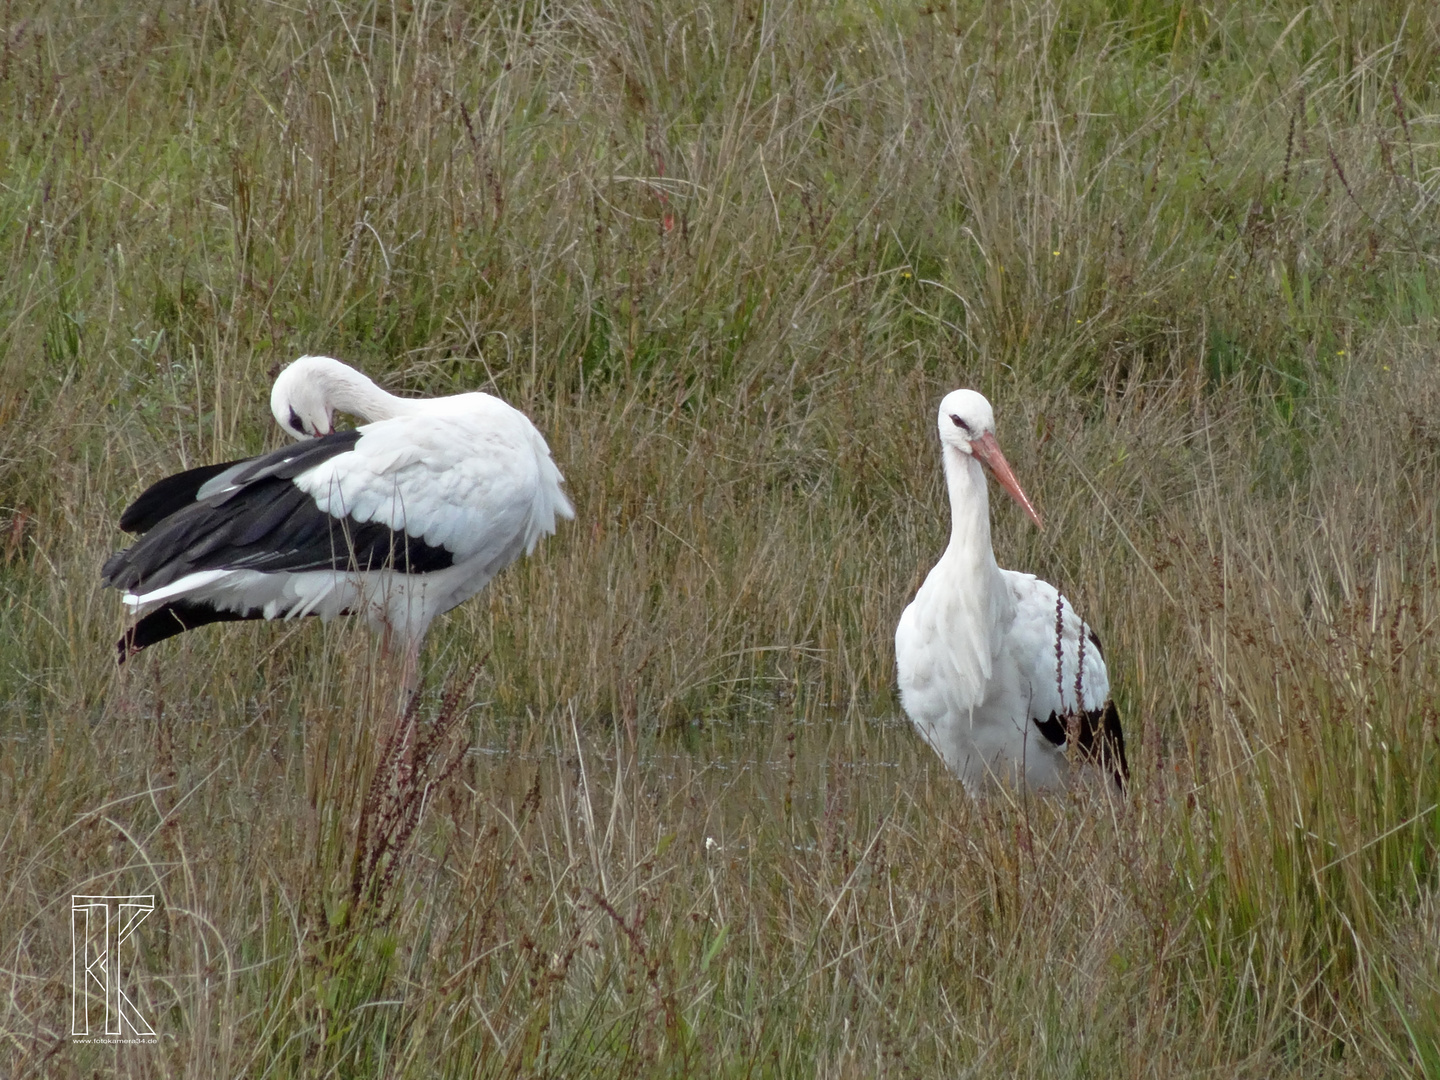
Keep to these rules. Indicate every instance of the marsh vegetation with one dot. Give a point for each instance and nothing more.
(729, 256)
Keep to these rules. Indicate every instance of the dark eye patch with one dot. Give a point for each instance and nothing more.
(295, 422)
(960, 423)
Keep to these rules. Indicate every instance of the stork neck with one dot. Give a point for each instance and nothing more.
(970, 544)
(348, 391)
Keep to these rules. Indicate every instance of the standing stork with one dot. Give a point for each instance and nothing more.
(399, 520)
(996, 670)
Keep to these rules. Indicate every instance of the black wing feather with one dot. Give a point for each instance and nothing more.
(162, 499)
(255, 518)
(174, 493)
(175, 618)
(1098, 737)
(286, 462)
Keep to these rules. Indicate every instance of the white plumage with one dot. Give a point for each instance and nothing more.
(399, 520)
(996, 670)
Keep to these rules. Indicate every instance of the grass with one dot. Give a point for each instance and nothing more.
(729, 256)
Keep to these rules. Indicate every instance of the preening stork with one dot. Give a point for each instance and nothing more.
(996, 670)
(399, 520)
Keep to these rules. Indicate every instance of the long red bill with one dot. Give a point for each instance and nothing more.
(987, 451)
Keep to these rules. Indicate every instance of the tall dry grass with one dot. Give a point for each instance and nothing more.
(729, 256)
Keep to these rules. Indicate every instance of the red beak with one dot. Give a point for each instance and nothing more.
(987, 452)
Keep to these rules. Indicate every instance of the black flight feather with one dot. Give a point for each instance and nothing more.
(174, 618)
(249, 515)
(162, 499)
(1098, 737)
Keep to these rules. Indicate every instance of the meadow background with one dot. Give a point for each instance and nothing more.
(728, 256)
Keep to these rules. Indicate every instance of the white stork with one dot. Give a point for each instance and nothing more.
(996, 670)
(399, 520)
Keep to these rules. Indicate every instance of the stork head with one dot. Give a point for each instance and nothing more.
(300, 398)
(967, 424)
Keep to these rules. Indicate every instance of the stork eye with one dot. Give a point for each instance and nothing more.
(960, 423)
(295, 422)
